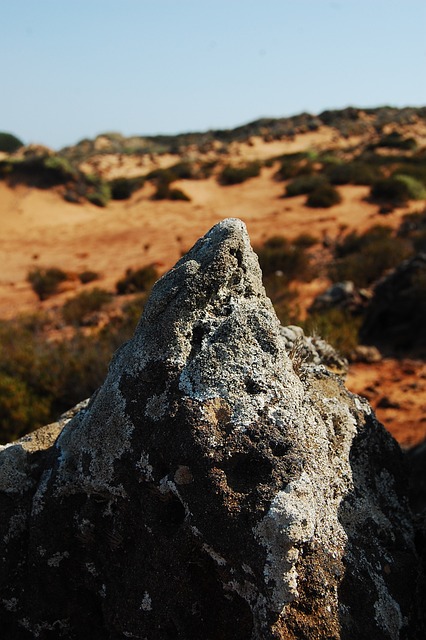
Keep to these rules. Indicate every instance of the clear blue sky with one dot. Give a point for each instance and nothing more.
(74, 68)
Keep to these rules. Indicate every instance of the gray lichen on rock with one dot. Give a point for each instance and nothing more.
(216, 486)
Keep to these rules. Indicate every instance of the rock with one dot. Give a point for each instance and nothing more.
(210, 489)
(396, 316)
(343, 295)
(365, 353)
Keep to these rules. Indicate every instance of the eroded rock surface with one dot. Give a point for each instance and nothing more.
(214, 487)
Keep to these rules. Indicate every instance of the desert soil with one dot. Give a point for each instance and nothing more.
(38, 228)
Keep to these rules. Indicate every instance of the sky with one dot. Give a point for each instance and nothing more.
(72, 69)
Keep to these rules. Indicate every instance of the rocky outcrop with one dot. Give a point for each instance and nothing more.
(214, 487)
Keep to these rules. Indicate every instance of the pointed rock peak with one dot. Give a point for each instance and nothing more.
(220, 267)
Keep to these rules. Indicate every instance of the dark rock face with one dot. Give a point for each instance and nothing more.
(214, 487)
(396, 317)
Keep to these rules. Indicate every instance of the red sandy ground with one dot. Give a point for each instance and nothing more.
(38, 228)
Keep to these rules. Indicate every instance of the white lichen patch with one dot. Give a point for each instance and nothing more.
(219, 560)
(290, 521)
(17, 525)
(145, 469)
(11, 604)
(57, 558)
(89, 446)
(146, 602)
(387, 612)
(157, 407)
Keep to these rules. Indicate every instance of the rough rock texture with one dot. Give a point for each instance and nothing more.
(396, 317)
(210, 489)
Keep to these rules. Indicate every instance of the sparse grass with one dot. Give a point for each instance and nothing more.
(45, 281)
(339, 327)
(41, 378)
(290, 260)
(77, 309)
(365, 258)
(139, 280)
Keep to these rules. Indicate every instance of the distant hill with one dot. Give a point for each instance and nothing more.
(348, 122)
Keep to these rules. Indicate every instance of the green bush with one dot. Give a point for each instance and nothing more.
(390, 191)
(371, 260)
(139, 280)
(395, 140)
(78, 308)
(88, 276)
(231, 175)
(304, 185)
(294, 165)
(9, 143)
(41, 378)
(280, 255)
(123, 188)
(164, 192)
(323, 196)
(416, 189)
(358, 173)
(354, 242)
(20, 408)
(45, 282)
(99, 194)
(178, 194)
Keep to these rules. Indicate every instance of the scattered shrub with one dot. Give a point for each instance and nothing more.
(231, 175)
(390, 191)
(323, 196)
(123, 188)
(416, 189)
(88, 276)
(279, 255)
(354, 242)
(305, 240)
(164, 192)
(78, 308)
(375, 254)
(99, 194)
(45, 282)
(140, 280)
(294, 165)
(338, 326)
(358, 173)
(9, 143)
(304, 185)
(178, 194)
(395, 140)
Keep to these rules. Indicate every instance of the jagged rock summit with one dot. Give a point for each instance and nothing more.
(214, 487)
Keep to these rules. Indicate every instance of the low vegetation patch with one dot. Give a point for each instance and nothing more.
(45, 281)
(9, 143)
(304, 185)
(365, 258)
(138, 280)
(232, 174)
(288, 260)
(76, 310)
(324, 195)
(123, 188)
